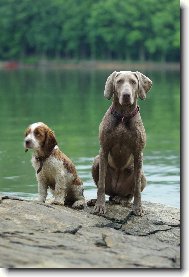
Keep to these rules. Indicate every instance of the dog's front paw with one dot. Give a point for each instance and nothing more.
(99, 208)
(39, 200)
(79, 205)
(138, 210)
(57, 202)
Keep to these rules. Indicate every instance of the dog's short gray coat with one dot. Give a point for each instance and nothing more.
(117, 170)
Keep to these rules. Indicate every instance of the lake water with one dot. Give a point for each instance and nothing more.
(71, 102)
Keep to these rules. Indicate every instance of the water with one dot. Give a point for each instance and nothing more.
(71, 102)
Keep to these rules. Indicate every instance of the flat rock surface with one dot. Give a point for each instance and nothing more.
(34, 235)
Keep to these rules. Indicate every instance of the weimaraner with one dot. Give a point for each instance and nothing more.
(117, 170)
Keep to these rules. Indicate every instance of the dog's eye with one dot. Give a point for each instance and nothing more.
(119, 81)
(37, 133)
(133, 82)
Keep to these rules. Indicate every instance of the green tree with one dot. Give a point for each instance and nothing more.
(108, 29)
(74, 29)
(165, 30)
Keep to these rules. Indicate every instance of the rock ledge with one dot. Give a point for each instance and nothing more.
(34, 235)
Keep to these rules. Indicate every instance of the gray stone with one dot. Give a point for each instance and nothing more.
(34, 235)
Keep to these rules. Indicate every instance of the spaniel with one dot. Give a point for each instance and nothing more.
(53, 168)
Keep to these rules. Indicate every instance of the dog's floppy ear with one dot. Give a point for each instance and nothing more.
(109, 86)
(25, 134)
(50, 141)
(144, 85)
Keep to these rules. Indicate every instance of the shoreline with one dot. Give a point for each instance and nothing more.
(89, 65)
(26, 196)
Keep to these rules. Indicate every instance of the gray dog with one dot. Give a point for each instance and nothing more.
(117, 170)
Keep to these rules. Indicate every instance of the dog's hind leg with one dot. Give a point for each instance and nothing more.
(78, 197)
(108, 180)
(95, 170)
(95, 175)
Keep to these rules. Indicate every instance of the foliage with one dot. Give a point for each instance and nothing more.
(82, 29)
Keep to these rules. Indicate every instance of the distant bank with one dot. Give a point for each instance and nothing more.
(89, 64)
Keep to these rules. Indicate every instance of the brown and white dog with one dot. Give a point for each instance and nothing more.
(53, 168)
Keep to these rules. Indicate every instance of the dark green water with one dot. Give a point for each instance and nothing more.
(72, 104)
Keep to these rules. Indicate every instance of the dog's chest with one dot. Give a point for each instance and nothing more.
(52, 169)
(121, 145)
(122, 135)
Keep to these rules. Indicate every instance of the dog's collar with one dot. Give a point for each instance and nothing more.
(124, 119)
(42, 159)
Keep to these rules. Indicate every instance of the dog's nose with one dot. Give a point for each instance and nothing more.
(126, 96)
(27, 142)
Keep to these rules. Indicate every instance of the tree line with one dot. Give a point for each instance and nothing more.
(88, 29)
